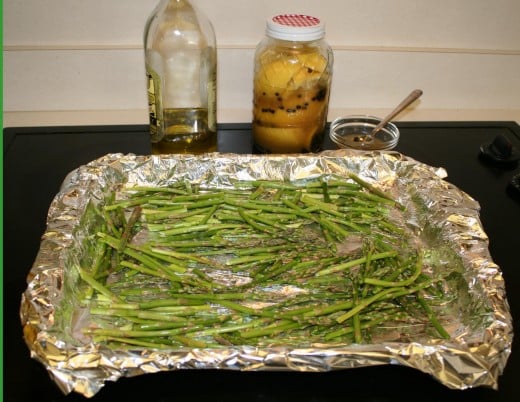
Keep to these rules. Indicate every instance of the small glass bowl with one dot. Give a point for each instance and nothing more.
(353, 132)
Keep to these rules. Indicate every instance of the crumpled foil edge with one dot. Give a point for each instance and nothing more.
(85, 370)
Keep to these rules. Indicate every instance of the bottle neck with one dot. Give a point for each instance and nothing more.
(176, 4)
(179, 6)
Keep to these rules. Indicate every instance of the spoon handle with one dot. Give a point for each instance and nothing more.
(399, 108)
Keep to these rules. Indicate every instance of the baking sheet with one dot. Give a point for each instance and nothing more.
(475, 355)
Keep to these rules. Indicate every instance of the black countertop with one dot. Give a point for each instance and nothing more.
(36, 160)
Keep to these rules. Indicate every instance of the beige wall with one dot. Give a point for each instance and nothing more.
(81, 62)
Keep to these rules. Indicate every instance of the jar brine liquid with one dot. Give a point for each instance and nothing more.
(292, 78)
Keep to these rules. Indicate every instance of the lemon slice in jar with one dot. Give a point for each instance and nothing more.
(277, 74)
(312, 67)
(285, 139)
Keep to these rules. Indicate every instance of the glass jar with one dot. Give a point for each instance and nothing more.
(291, 89)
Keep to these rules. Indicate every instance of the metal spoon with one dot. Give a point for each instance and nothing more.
(415, 94)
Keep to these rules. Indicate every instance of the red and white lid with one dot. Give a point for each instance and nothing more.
(295, 27)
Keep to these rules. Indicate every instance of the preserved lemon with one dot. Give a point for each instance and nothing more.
(291, 87)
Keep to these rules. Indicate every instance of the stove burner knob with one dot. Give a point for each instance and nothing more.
(501, 151)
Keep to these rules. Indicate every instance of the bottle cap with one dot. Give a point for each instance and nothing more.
(295, 27)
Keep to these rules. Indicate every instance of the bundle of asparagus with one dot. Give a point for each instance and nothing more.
(321, 261)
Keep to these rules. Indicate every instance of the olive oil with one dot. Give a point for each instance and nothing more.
(181, 68)
(186, 131)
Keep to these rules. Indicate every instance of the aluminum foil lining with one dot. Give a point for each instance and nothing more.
(474, 356)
